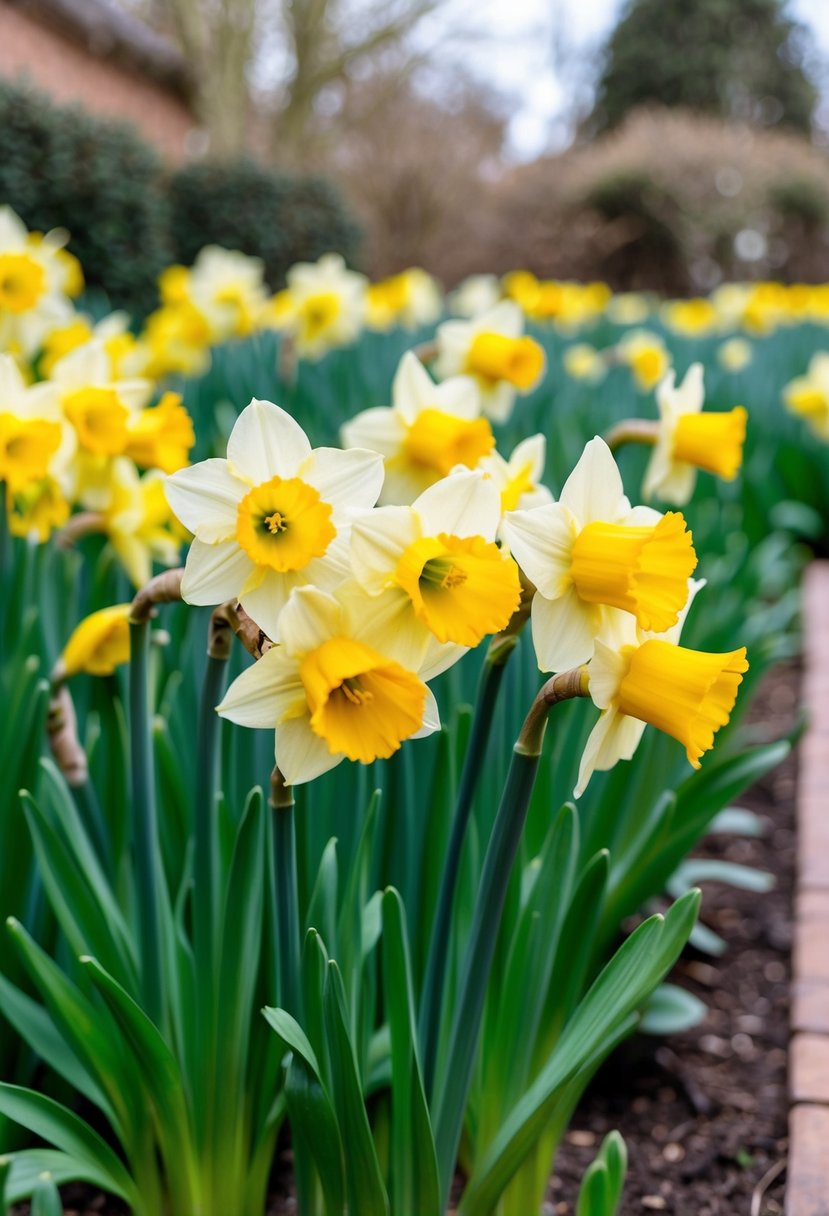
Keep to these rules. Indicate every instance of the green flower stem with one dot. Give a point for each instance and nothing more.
(287, 900)
(632, 430)
(91, 812)
(206, 835)
(450, 1104)
(145, 827)
(437, 961)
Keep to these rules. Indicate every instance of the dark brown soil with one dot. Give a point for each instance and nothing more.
(704, 1114)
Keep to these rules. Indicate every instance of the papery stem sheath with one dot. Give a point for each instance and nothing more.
(632, 430)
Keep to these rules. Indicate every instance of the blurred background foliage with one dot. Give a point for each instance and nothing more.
(696, 148)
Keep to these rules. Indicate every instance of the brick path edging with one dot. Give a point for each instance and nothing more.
(807, 1189)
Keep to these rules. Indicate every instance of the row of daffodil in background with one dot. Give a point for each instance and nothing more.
(88, 431)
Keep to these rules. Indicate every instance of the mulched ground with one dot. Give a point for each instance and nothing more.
(703, 1114)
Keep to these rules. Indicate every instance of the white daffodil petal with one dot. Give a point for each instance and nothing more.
(563, 631)
(214, 573)
(463, 504)
(459, 396)
(640, 517)
(531, 451)
(308, 619)
(690, 394)
(615, 737)
(265, 693)
(300, 754)
(378, 539)
(380, 430)
(413, 389)
(349, 480)
(541, 541)
(266, 442)
(594, 489)
(206, 497)
(431, 717)
(386, 623)
(607, 670)
(498, 401)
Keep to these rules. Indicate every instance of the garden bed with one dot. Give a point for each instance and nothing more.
(705, 1114)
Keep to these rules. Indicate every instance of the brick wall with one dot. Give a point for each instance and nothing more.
(31, 51)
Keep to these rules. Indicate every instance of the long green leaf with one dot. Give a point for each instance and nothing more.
(415, 1182)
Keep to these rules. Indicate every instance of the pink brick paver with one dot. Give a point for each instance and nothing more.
(807, 1190)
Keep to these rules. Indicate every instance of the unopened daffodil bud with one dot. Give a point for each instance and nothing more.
(99, 644)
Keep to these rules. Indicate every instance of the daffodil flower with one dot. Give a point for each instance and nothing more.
(591, 556)
(271, 517)
(411, 299)
(428, 430)
(34, 282)
(437, 563)
(492, 348)
(646, 356)
(808, 396)
(689, 439)
(637, 679)
(334, 687)
(322, 307)
(96, 404)
(518, 479)
(138, 520)
(161, 437)
(99, 644)
(31, 434)
(477, 294)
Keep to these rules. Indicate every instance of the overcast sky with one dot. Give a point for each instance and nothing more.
(518, 57)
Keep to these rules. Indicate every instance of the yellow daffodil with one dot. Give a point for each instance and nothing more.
(228, 289)
(583, 362)
(628, 308)
(127, 357)
(34, 278)
(35, 511)
(138, 521)
(646, 356)
(689, 439)
(808, 396)
(428, 430)
(99, 644)
(691, 318)
(438, 563)
(734, 354)
(161, 437)
(592, 557)
(335, 687)
(273, 516)
(96, 404)
(518, 479)
(176, 338)
(31, 435)
(325, 306)
(636, 679)
(409, 299)
(494, 351)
